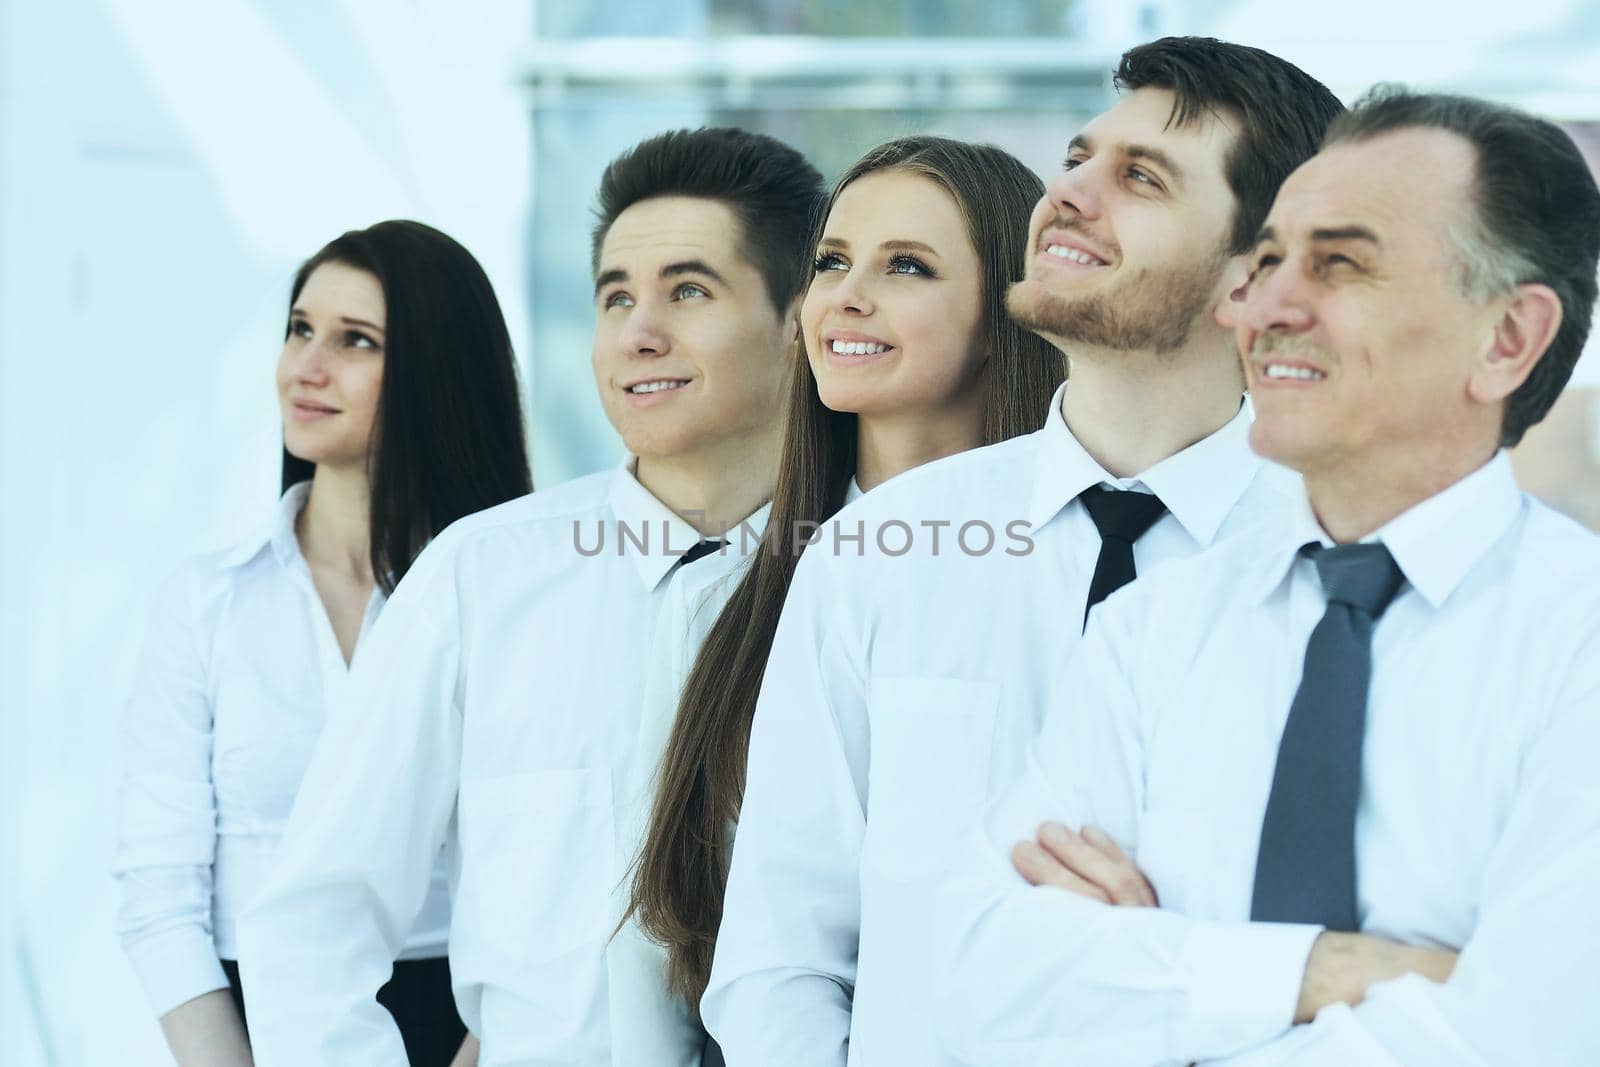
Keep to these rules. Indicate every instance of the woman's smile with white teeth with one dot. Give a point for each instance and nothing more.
(656, 387)
(858, 348)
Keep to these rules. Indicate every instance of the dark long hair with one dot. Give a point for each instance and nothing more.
(447, 437)
(682, 870)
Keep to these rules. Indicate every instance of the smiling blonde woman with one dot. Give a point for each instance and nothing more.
(907, 355)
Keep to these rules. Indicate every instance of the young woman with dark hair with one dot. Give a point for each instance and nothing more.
(907, 355)
(447, 434)
(400, 414)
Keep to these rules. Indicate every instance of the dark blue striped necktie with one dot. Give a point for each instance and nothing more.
(1306, 866)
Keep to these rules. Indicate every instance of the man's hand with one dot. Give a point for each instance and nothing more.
(1088, 863)
(1342, 967)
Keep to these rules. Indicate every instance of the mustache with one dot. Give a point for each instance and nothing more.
(1277, 344)
(1076, 225)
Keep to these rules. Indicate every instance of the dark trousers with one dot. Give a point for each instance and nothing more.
(418, 996)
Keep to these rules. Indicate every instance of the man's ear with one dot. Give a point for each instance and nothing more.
(791, 318)
(1237, 274)
(1519, 339)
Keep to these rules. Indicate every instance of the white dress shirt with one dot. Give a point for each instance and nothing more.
(238, 670)
(499, 699)
(691, 609)
(899, 687)
(1478, 826)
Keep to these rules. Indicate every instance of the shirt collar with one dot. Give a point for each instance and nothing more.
(1439, 541)
(1435, 543)
(1062, 469)
(1199, 485)
(276, 534)
(634, 505)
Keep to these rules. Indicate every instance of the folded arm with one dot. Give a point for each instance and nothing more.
(1030, 973)
(1341, 969)
(1525, 984)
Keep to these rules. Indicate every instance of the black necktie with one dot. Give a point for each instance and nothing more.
(1306, 867)
(701, 550)
(1122, 517)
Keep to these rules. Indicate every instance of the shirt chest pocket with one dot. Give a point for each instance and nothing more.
(537, 868)
(929, 770)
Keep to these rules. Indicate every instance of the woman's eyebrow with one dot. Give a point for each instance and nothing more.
(909, 246)
(300, 312)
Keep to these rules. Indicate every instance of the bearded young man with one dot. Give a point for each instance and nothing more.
(901, 685)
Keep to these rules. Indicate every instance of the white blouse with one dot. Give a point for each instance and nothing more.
(239, 667)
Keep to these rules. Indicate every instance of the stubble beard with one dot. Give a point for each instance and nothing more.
(1150, 310)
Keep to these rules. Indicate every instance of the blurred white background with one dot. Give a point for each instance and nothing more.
(164, 167)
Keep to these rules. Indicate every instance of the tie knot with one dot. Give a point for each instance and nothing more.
(701, 550)
(1122, 513)
(1365, 577)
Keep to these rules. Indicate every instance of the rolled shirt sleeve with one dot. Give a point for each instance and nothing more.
(1398, 1025)
(167, 808)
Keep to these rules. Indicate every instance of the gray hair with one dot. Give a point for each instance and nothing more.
(1534, 218)
(1486, 268)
